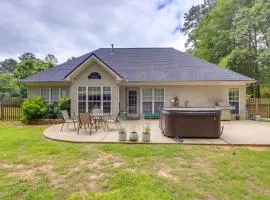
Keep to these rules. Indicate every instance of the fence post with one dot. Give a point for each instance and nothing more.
(256, 106)
(1, 110)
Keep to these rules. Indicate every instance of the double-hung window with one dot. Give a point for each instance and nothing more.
(63, 92)
(45, 94)
(107, 99)
(90, 98)
(158, 99)
(152, 100)
(234, 100)
(147, 98)
(94, 98)
(82, 99)
(52, 95)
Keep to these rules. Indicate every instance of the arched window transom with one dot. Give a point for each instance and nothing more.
(94, 75)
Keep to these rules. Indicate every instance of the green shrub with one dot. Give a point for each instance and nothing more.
(265, 92)
(64, 104)
(52, 111)
(34, 109)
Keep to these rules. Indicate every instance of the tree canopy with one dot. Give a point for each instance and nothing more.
(8, 85)
(232, 33)
(29, 67)
(12, 71)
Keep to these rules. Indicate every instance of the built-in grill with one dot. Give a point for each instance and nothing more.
(225, 111)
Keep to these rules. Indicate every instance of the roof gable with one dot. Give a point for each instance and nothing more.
(91, 58)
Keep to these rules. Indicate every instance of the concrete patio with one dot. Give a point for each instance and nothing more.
(235, 133)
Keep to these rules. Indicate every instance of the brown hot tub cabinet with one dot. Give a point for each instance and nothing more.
(190, 122)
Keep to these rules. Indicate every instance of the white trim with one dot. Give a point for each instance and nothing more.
(239, 102)
(163, 83)
(141, 103)
(153, 100)
(118, 106)
(91, 59)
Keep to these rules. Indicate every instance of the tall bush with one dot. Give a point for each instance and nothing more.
(34, 109)
(64, 104)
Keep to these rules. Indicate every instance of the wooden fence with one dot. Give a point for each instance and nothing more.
(10, 109)
(256, 106)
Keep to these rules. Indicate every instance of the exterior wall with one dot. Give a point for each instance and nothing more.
(197, 96)
(204, 96)
(123, 97)
(106, 80)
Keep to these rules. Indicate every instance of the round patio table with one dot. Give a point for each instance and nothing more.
(99, 119)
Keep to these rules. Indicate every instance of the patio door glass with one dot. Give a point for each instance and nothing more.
(132, 102)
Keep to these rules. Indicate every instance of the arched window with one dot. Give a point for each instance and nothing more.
(94, 75)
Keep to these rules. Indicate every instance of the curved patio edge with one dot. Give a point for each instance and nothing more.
(111, 137)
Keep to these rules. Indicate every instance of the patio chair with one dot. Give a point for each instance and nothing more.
(67, 119)
(115, 121)
(86, 119)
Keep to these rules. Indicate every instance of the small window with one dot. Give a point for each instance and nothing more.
(64, 92)
(94, 75)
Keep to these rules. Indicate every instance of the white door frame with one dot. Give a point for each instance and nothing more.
(137, 114)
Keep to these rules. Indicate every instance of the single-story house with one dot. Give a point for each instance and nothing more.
(140, 80)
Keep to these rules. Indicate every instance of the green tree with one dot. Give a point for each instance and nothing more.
(52, 59)
(29, 67)
(234, 34)
(8, 65)
(8, 85)
(27, 56)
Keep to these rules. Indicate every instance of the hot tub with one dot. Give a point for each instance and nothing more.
(190, 122)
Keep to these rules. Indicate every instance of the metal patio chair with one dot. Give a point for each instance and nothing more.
(67, 119)
(86, 119)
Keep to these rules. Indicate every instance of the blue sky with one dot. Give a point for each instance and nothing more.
(69, 28)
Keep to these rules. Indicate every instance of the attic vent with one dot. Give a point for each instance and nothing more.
(112, 51)
(94, 75)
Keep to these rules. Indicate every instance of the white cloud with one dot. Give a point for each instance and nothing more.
(68, 28)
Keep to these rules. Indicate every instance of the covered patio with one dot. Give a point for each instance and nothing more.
(235, 133)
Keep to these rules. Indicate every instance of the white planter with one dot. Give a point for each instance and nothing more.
(122, 136)
(146, 137)
(133, 136)
(258, 117)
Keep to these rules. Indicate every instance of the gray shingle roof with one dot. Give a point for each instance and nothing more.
(146, 64)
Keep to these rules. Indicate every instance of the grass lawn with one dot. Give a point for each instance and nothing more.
(32, 167)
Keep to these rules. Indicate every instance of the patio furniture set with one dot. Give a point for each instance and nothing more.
(96, 119)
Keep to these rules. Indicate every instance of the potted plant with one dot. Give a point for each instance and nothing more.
(133, 136)
(258, 117)
(237, 117)
(122, 135)
(146, 133)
